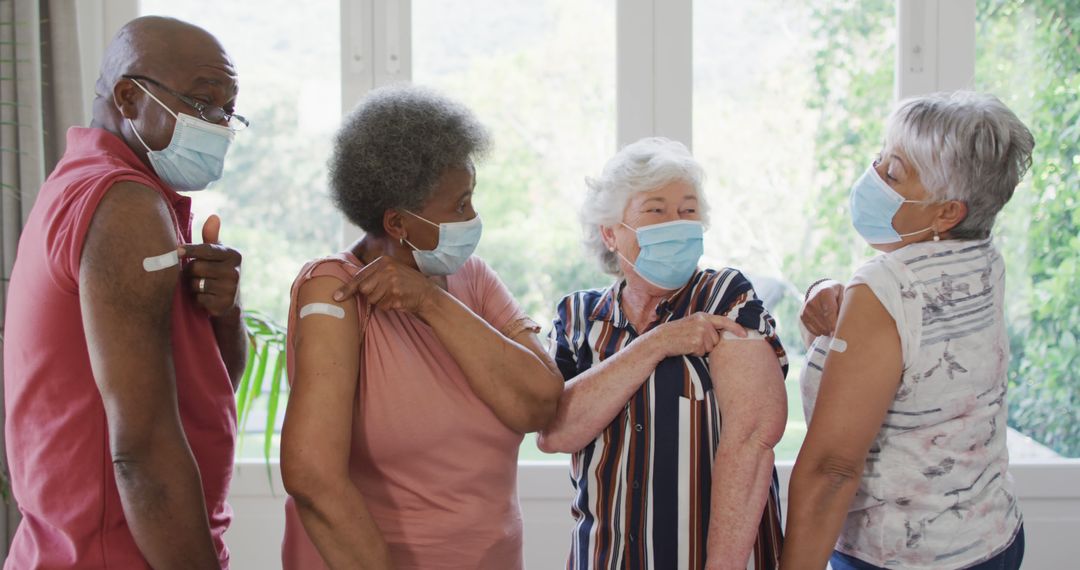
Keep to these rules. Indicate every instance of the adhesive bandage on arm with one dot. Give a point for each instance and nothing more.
(322, 309)
(837, 345)
(750, 335)
(159, 262)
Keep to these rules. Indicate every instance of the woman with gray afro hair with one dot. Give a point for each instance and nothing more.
(392, 149)
(905, 463)
(414, 372)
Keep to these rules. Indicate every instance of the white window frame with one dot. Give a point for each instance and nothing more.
(654, 70)
(935, 46)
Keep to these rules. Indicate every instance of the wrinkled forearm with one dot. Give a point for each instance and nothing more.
(742, 475)
(820, 494)
(591, 400)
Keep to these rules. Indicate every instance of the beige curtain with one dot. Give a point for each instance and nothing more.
(40, 97)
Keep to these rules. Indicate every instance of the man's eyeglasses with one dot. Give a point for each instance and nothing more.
(207, 112)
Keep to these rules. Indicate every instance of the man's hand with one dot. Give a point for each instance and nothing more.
(389, 285)
(213, 273)
(822, 308)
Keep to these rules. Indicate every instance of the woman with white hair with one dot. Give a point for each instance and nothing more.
(905, 458)
(674, 394)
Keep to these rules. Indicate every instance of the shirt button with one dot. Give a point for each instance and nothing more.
(638, 427)
(635, 485)
(631, 538)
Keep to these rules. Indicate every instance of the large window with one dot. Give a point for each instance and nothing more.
(783, 128)
(541, 77)
(789, 100)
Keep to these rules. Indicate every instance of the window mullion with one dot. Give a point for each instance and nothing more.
(634, 53)
(935, 46)
(392, 22)
(654, 69)
(358, 61)
(673, 79)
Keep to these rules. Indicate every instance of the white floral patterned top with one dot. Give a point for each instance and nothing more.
(936, 492)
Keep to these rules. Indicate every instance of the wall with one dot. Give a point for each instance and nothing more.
(1049, 496)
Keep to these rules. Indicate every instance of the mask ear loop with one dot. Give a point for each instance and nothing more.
(402, 241)
(422, 218)
(612, 249)
(156, 100)
(132, 123)
(930, 228)
(137, 135)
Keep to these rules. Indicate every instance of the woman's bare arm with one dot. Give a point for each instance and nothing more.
(316, 439)
(857, 389)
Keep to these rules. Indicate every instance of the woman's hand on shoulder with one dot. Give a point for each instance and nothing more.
(822, 307)
(391, 286)
(695, 334)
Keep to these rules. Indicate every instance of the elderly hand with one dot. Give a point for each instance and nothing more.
(822, 308)
(389, 285)
(213, 271)
(696, 334)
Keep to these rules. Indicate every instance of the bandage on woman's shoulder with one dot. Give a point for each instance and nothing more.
(322, 309)
(750, 335)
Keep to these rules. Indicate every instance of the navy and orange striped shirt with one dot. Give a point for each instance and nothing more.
(643, 486)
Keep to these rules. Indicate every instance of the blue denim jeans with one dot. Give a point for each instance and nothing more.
(1008, 559)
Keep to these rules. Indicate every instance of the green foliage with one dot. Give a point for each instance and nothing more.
(854, 73)
(1032, 62)
(264, 377)
(852, 93)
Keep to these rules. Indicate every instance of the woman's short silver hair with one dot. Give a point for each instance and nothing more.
(642, 166)
(393, 147)
(965, 146)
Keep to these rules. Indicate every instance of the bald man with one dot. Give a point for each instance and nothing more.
(124, 338)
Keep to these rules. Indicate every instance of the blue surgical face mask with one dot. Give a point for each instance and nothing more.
(457, 241)
(669, 252)
(873, 205)
(195, 156)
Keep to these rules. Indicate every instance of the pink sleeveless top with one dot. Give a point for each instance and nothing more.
(57, 437)
(437, 469)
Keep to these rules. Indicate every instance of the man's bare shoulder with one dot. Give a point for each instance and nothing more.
(131, 224)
